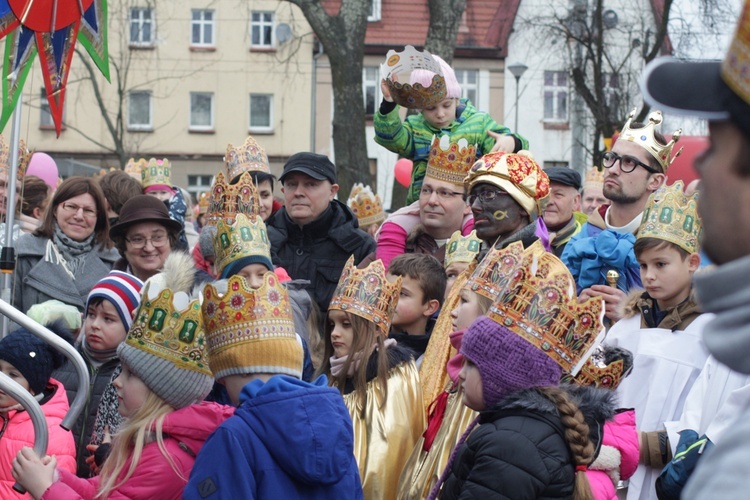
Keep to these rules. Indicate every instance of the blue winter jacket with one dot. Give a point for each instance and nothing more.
(287, 439)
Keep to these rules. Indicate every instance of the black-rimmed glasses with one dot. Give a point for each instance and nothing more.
(627, 163)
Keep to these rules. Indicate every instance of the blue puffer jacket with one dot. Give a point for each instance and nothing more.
(287, 439)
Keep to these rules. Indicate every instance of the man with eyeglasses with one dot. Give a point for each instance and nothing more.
(634, 168)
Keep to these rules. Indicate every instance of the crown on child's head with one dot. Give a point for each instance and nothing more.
(203, 204)
(23, 158)
(672, 216)
(155, 172)
(366, 205)
(251, 330)
(227, 200)
(134, 168)
(367, 293)
(645, 138)
(414, 96)
(249, 157)
(462, 248)
(497, 268)
(450, 161)
(246, 237)
(539, 303)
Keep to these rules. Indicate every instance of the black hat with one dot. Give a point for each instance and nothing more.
(143, 208)
(316, 166)
(564, 175)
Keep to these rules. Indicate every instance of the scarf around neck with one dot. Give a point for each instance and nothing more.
(69, 253)
(99, 355)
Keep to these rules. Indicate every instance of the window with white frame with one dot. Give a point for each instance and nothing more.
(468, 79)
(199, 184)
(261, 30)
(371, 88)
(139, 110)
(201, 111)
(202, 28)
(141, 26)
(45, 117)
(261, 113)
(374, 14)
(556, 93)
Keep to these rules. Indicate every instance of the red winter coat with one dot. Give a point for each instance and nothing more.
(187, 429)
(19, 432)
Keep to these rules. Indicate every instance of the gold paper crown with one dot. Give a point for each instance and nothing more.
(251, 331)
(367, 293)
(156, 172)
(23, 158)
(450, 162)
(248, 157)
(203, 204)
(227, 200)
(245, 237)
(170, 326)
(735, 66)
(462, 248)
(539, 303)
(594, 178)
(645, 138)
(414, 96)
(672, 216)
(366, 205)
(596, 373)
(497, 268)
(135, 168)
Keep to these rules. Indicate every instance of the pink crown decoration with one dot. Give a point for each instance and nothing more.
(248, 157)
(227, 200)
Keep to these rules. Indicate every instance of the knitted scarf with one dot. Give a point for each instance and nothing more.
(67, 252)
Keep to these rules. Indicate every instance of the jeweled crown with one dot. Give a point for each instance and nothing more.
(134, 168)
(366, 205)
(539, 303)
(367, 293)
(203, 204)
(156, 172)
(169, 325)
(645, 138)
(227, 200)
(594, 178)
(248, 157)
(596, 373)
(245, 237)
(23, 158)
(672, 216)
(497, 268)
(413, 96)
(450, 161)
(462, 248)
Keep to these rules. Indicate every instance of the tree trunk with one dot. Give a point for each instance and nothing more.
(445, 18)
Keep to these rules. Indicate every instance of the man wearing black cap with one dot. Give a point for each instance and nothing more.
(720, 93)
(561, 215)
(314, 234)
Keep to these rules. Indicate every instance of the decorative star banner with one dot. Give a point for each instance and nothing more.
(50, 28)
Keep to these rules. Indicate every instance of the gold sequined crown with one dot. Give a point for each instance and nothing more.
(462, 248)
(645, 138)
(245, 237)
(134, 168)
(539, 303)
(248, 157)
(497, 268)
(450, 161)
(596, 373)
(251, 330)
(23, 158)
(366, 205)
(227, 200)
(594, 178)
(203, 204)
(413, 96)
(170, 326)
(367, 293)
(672, 216)
(156, 172)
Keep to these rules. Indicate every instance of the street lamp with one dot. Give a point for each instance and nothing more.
(517, 70)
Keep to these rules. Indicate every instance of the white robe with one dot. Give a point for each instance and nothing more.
(665, 366)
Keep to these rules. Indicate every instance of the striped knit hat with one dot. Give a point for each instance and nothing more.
(123, 290)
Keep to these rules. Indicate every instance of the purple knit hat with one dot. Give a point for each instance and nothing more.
(506, 362)
(424, 78)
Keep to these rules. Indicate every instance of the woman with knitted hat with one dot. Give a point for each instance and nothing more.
(165, 376)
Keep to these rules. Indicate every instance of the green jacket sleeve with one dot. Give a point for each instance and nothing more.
(393, 134)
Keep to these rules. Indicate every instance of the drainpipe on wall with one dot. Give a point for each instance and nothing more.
(317, 52)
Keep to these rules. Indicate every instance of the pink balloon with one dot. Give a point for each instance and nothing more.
(402, 169)
(43, 166)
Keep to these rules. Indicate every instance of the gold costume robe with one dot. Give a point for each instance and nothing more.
(384, 437)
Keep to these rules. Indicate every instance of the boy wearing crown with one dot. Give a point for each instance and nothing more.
(662, 327)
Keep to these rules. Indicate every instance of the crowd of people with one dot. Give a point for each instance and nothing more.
(513, 332)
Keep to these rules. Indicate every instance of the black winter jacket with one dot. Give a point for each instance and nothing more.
(319, 250)
(519, 450)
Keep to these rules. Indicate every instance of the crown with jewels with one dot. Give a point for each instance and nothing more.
(248, 157)
(366, 205)
(203, 204)
(539, 303)
(227, 200)
(450, 161)
(644, 137)
(156, 172)
(134, 168)
(24, 157)
(594, 178)
(402, 64)
(498, 267)
(367, 293)
(249, 330)
(245, 237)
(462, 248)
(672, 216)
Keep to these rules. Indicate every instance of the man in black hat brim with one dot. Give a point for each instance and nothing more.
(562, 215)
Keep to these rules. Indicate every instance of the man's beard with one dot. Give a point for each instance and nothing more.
(619, 196)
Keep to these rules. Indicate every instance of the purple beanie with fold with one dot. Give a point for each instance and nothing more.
(506, 362)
